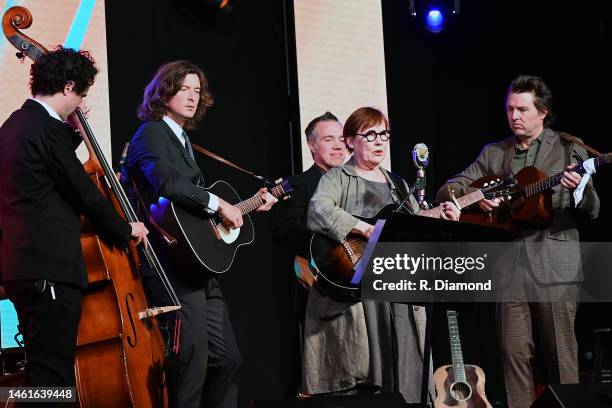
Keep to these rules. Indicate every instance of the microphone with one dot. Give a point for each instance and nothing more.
(420, 158)
(120, 173)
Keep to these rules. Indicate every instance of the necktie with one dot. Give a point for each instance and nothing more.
(188, 146)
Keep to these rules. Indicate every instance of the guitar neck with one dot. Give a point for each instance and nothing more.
(549, 182)
(256, 201)
(545, 184)
(470, 199)
(250, 204)
(463, 202)
(455, 342)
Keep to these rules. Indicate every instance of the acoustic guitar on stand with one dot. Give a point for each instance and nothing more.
(459, 385)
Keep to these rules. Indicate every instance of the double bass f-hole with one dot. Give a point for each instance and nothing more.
(130, 297)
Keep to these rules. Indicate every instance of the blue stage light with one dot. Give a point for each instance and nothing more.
(434, 21)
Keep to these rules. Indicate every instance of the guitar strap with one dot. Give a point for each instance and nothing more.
(400, 188)
(225, 161)
(573, 139)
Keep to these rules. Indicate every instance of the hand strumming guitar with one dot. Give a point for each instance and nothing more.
(231, 215)
(364, 229)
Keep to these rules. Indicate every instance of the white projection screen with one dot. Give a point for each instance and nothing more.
(340, 60)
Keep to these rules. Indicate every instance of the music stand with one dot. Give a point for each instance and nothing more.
(401, 227)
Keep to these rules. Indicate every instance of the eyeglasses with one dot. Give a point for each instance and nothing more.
(371, 135)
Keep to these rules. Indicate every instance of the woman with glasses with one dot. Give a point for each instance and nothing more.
(362, 346)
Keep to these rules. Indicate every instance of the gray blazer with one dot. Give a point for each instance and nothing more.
(553, 252)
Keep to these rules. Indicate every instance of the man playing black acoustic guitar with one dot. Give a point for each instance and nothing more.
(161, 163)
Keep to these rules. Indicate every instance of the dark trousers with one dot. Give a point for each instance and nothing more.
(205, 372)
(49, 328)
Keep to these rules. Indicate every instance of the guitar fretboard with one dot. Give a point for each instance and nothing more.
(470, 199)
(256, 201)
(547, 183)
(455, 342)
(464, 202)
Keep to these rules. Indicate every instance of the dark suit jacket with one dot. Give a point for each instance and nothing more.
(43, 190)
(553, 252)
(291, 228)
(161, 167)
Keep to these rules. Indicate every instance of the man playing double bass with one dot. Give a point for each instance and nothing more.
(43, 191)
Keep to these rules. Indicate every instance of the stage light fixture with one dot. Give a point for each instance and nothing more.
(434, 13)
(434, 21)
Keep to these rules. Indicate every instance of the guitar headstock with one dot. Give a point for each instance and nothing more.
(498, 188)
(281, 188)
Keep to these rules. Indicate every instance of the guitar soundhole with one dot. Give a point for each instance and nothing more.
(460, 391)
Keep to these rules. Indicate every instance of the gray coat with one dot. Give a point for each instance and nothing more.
(351, 343)
(339, 199)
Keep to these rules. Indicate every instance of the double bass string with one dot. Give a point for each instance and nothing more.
(130, 214)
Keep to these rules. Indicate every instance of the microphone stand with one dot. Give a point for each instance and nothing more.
(419, 184)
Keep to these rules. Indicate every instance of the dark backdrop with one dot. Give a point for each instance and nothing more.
(446, 90)
(243, 55)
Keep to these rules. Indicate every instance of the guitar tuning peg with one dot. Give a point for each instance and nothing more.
(509, 197)
(486, 184)
(277, 181)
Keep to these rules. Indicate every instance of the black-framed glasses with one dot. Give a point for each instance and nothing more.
(370, 136)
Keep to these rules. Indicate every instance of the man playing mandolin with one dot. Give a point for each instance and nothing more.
(547, 261)
(161, 163)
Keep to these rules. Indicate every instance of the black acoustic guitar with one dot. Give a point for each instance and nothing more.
(459, 385)
(334, 262)
(201, 243)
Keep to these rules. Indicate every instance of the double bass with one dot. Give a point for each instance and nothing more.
(121, 355)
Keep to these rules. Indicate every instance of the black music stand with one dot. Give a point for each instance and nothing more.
(401, 227)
